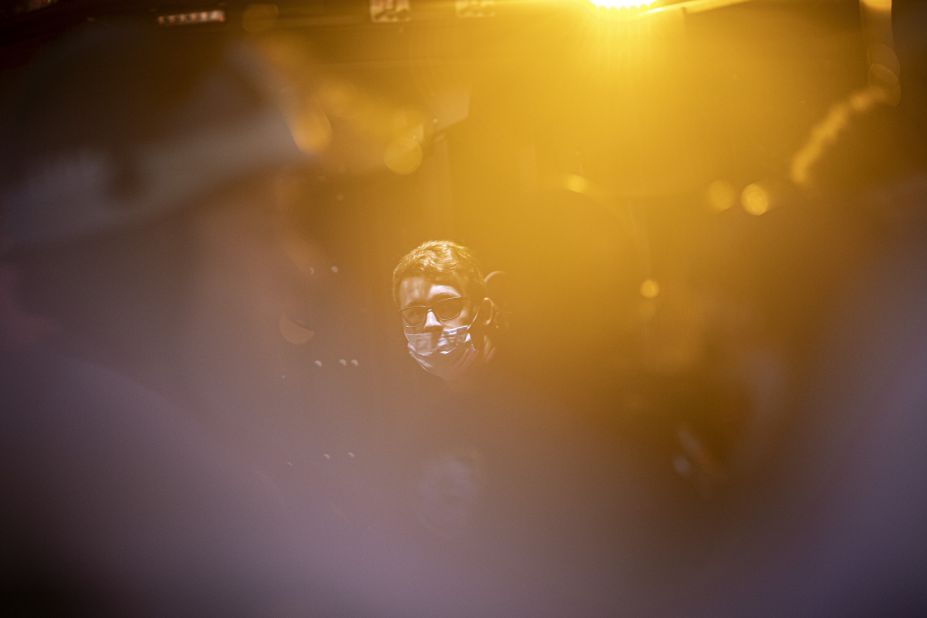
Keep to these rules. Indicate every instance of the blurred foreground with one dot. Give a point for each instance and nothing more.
(706, 226)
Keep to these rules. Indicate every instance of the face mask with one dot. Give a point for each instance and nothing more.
(447, 358)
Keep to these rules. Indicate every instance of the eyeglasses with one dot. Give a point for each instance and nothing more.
(444, 310)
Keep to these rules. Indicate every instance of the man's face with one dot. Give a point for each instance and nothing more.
(429, 306)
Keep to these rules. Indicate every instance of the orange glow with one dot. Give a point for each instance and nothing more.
(215, 212)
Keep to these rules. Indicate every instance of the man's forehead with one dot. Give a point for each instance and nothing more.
(420, 288)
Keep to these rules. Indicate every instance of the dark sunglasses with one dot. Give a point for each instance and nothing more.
(444, 310)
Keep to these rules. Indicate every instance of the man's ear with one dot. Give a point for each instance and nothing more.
(486, 311)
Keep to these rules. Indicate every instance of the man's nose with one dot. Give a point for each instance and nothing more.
(431, 320)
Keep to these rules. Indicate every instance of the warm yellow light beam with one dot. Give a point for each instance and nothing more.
(696, 6)
(622, 4)
(646, 7)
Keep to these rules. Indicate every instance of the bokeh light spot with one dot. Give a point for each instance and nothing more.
(721, 195)
(650, 288)
(576, 184)
(755, 199)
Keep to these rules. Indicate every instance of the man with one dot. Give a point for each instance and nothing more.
(449, 322)
(484, 475)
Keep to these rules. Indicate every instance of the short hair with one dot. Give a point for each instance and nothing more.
(442, 261)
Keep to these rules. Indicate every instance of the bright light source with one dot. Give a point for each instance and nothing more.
(197, 17)
(622, 4)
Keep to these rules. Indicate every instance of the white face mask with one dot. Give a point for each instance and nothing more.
(449, 357)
